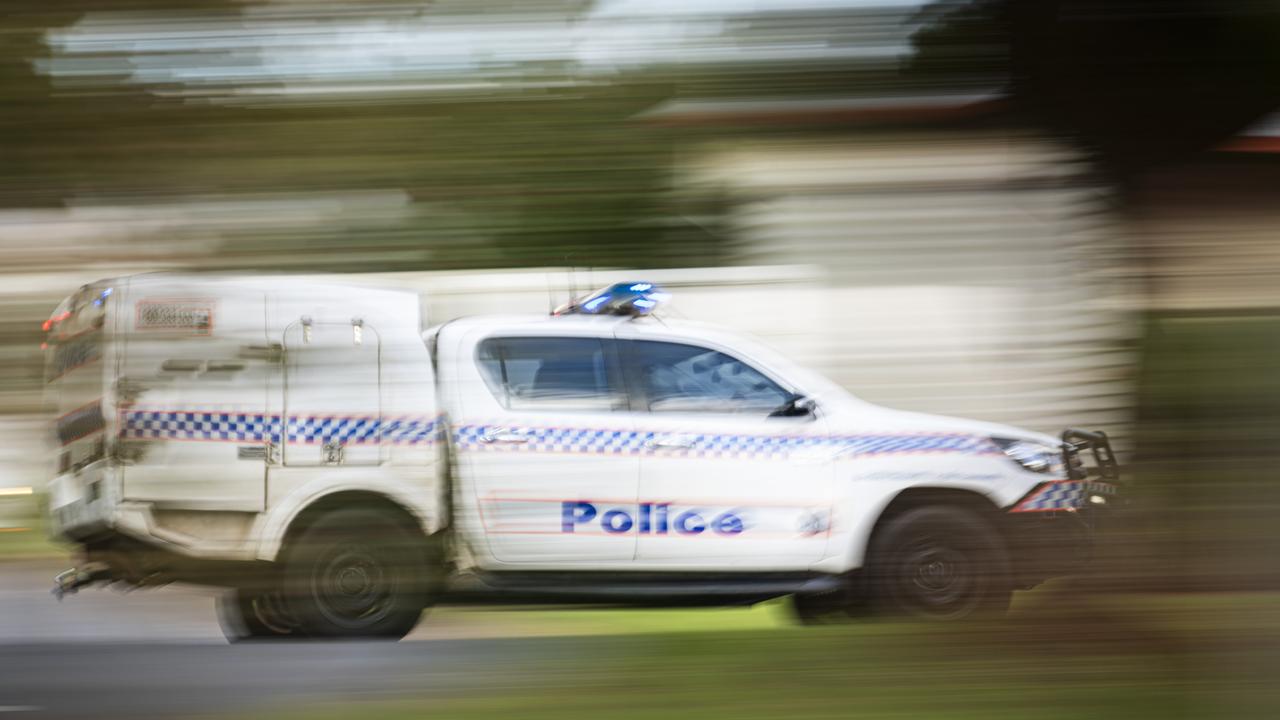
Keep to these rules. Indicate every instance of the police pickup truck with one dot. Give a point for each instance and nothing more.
(311, 449)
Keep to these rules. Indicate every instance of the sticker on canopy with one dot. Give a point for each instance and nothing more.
(180, 316)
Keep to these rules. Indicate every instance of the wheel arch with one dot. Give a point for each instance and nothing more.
(925, 496)
(280, 527)
(316, 552)
(346, 500)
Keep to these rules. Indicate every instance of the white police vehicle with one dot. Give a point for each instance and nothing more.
(310, 448)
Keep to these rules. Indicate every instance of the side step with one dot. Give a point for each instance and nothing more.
(669, 589)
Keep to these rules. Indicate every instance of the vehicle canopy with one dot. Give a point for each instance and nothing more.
(185, 377)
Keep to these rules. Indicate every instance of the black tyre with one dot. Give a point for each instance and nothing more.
(819, 608)
(939, 563)
(251, 614)
(357, 574)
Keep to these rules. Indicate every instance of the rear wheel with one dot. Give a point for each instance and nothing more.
(255, 614)
(939, 563)
(357, 573)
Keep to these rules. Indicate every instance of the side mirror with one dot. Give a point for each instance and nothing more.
(796, 406)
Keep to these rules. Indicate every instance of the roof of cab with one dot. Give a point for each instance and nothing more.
(588, 324)
(559, 322)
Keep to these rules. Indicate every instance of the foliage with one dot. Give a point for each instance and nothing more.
(1136, 83)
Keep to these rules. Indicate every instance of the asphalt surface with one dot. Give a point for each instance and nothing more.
(160, 653)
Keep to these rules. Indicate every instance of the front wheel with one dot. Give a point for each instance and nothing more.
(357, 573)
(939, 563)
(819, 608)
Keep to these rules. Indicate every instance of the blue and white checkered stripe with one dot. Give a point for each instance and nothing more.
(1054, 496)
(350, 430)
(1062, 495)
(161, 425)
(565, 440)
(258, 427)
(586, 440)
(414, 430)
(887, 444)
(749, 446)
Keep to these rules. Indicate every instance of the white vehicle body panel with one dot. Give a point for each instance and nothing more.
(246, 401)
(807, 491)
(774, 475)
(187, 378)
(518, 466)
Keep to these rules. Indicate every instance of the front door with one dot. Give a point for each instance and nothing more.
(723, 484)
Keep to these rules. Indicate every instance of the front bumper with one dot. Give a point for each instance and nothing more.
(1053, 530)
(1084, 486)
(1049, 545)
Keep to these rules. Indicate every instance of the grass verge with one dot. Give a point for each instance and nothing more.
(1131, 657)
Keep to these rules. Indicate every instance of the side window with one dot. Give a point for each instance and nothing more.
(686, 378)
(548, 373)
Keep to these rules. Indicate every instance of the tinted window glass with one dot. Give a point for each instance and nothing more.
(540, 372)
(688, 378)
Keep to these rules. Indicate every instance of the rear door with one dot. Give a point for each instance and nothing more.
(545, 447)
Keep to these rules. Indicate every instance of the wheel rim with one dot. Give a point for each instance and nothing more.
(354, 587)
(937, 578)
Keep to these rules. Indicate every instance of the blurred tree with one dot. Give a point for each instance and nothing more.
(32, 170)
(540, 167)
(1135, 82)
(1142, 84)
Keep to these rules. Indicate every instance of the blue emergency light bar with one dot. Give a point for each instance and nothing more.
(624, 298)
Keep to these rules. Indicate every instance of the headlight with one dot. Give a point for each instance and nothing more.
(1033, 456)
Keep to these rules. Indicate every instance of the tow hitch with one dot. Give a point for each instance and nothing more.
(69, 582)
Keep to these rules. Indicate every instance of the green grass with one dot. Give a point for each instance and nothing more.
(23, 530)
(610, 621)
(1058, 656)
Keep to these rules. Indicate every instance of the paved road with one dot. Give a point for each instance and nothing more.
(146, 680)
(160, 653)
(176, 613)
(29, 614)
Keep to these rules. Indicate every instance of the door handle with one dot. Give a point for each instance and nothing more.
(670, 442)
(505, 435)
